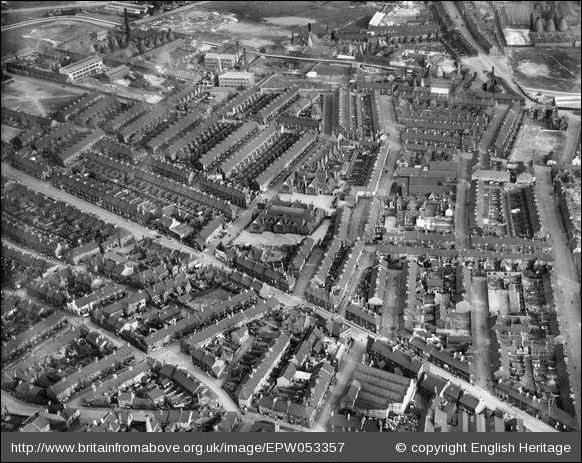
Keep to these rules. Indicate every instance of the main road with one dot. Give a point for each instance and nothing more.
(76, 18)
(566, 283)
(31, 9)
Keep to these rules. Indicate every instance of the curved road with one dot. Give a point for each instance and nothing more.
(78, 18)
(172, 354)
(9, 10)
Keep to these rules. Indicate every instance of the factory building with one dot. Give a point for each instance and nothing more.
(84, 68)
(236, 79)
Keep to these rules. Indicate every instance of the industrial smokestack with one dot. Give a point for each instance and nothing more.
(127, 30)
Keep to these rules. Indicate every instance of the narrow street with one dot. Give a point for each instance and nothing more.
(461, 218)
(343, 376)
(392, 131)
(481, 365)
(10, 243)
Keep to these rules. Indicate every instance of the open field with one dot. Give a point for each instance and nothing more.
(556, 68)
(321, 201)
(294, 13)
(534, 142)
(257, 24)
(219, 27)
(74, 37)
(267, 239)
(39, 97)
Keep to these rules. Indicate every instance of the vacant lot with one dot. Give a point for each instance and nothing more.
(267, 239)
(554, 68)
(534, 142)
(333, 14)
(38, 97)
(321, 201)
(71, 35)
(8, 133)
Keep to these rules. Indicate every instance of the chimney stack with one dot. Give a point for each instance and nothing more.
(127, 30)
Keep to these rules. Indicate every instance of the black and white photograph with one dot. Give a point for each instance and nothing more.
(298, 231)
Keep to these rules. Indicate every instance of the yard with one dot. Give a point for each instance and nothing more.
(534, 142)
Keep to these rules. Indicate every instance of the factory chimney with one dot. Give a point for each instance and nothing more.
(127, 30)
(493, 82)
